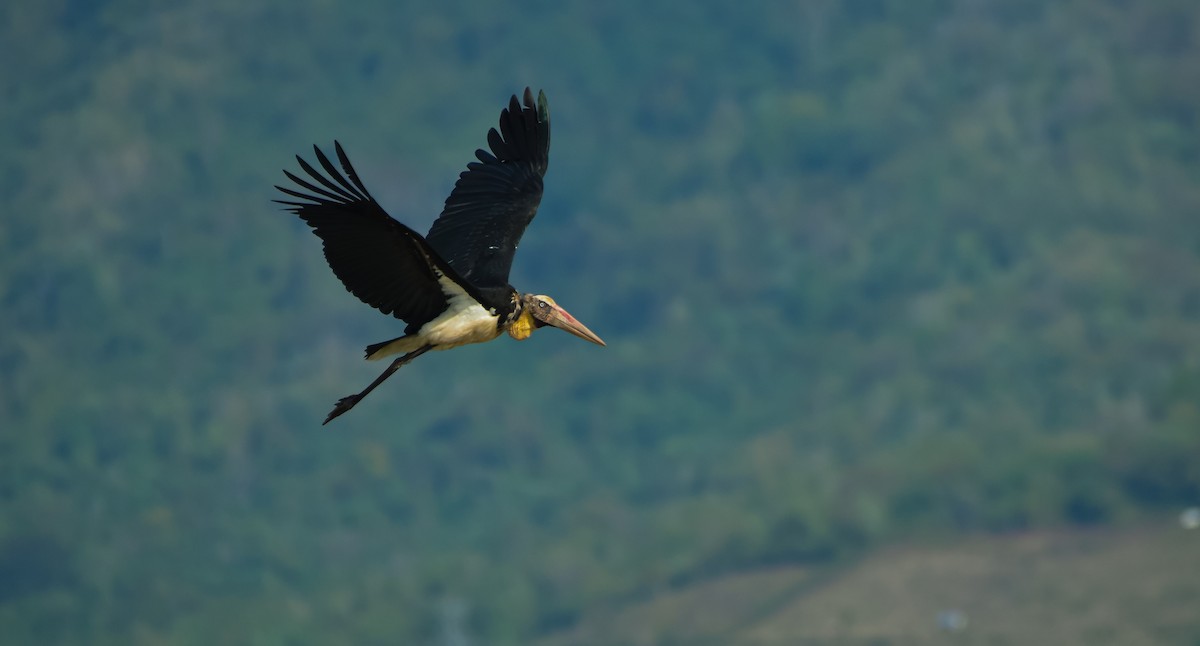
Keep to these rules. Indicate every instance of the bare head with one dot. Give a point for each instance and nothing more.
(542, 310)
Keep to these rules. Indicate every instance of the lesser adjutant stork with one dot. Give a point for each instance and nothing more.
(451, 286)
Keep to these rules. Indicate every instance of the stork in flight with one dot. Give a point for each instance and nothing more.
(451, 286)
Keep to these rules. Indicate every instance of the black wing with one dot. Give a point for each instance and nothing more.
(384, 263)
(496, 197)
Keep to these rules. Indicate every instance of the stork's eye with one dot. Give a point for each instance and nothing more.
(542, 304)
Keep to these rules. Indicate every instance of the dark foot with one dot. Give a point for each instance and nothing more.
(344, 404)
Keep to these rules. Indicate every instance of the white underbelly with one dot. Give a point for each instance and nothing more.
(465, 321)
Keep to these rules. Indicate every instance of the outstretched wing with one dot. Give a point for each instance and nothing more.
(384, 263)
(497, 196)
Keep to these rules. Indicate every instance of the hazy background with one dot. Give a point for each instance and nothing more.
(872, 273)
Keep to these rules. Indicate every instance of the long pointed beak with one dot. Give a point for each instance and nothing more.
(563, 320)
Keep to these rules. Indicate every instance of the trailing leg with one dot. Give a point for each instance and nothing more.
(346, 403)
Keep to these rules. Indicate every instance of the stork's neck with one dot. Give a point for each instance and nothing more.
(522, 325)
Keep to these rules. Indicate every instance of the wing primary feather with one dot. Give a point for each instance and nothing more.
(337, 176)
(303, 196)
(315, 174)
(543, 143)
(294, 207)
(506, 126)
(529, 118)
(349, 168)
(314, 189)
(496, 143)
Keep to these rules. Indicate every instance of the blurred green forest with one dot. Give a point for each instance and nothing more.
(868, 270)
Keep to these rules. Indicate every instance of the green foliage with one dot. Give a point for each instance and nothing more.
(866, 270)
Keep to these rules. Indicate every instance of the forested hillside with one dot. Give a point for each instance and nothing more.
(867, 271)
